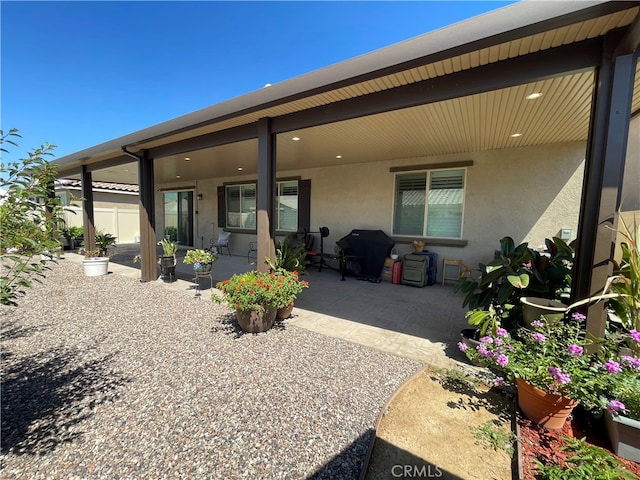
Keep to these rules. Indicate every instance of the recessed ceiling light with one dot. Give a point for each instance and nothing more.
(533, 96)
(295, 139)
(177, 176)
(338, 156)
(240, 169)
(515, 135)
(187, 158)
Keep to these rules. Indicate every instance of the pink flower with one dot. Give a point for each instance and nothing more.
(632, 362)
(539, 337)
(635, 335)
(616, 406)
(501, 332)
(578, 317)
(612, 367)
(499, 381)
(502, 360)
(575, 350)
(462, 346)
(486, 339)
(537, 323)
(482, 350)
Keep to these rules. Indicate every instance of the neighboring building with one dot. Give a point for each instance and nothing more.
(115, 207)
(504, 124)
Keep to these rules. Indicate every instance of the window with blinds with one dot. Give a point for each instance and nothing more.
(429, 203)
(241, 204)
(287, 206)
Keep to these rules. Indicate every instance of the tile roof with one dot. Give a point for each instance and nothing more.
(116, 187)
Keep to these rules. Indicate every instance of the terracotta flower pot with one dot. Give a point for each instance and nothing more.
(546, 409)
(252, 321)
(285, 312)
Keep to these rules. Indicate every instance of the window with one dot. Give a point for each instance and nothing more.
(429, 203)
(241, 206)
(287, 206)
(240, 201)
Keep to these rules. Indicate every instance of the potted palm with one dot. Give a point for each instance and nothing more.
(167, 260)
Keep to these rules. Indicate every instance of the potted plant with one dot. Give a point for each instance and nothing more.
(550, 366)
(516, 272)
(167, 260)
(622, 415)
(201, 260)
(253, 296)
(103, 242)
(96, 261)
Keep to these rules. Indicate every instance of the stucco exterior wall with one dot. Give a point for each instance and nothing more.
(529, 193)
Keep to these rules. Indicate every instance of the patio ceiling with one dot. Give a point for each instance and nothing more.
(481, 121)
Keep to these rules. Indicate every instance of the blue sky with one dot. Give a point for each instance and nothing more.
(76, 74)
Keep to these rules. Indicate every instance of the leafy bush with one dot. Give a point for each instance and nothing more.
(30, 220)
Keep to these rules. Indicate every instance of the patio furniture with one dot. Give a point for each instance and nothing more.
(461, 269)
(223, 242)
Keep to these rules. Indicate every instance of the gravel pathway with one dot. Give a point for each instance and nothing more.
(107, 377)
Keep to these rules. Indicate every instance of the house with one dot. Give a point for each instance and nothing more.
(514, 123)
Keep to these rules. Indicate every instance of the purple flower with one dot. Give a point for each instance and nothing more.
(616, 406)
(539, 337)
(559, 376)
(635, 335)
(502, 360)
(578, 317)
(612, 367)
(501, 332)
(537, 323)
(632, 362)
(575, 350)
(482, 350)
(498, 341)
(486, 339)
(499, 381)
(462, 346)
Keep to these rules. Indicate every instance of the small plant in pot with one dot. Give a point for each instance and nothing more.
(200, 259)
(96, 261)
(167, 261)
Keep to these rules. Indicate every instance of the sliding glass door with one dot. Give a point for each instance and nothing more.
(178, 217)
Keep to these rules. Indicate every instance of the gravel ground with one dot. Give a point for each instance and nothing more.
(107, 377)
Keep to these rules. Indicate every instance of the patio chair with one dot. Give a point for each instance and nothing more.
(223, 242)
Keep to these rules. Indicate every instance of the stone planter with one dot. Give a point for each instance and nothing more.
(96, 266)
(284, 312)
(533, 308)
(546, 409)
(624, 434)
(252, 321)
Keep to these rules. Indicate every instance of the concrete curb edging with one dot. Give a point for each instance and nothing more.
(517, 472)
(365, 464)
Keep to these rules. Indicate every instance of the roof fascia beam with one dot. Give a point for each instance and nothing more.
(631, 40)
(214, 139)
(495, 76)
